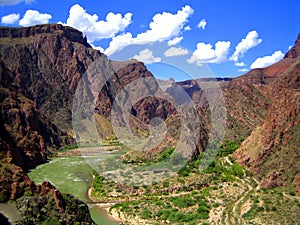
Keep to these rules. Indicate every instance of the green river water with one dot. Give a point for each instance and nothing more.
(72, 175)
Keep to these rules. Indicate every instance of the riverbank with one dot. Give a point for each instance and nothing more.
(117, 216)
(73, 175)
(106, 207)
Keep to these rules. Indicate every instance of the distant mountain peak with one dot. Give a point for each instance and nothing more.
(294, 52)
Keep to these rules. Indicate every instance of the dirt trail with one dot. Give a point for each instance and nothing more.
(232, 213)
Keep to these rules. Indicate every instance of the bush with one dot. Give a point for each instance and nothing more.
(228, 148)
(183, 201)
(53, 221)
(237, 170)
(2, 198)
(176, 216)
(146, 214)
(166, 154)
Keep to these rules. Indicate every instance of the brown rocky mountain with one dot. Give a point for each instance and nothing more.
(28, 132)
(272, 149)
(41, 68)
(262, 106)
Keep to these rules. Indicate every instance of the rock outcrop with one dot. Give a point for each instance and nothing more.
(275, 157)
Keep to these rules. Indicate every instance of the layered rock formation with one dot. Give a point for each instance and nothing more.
(272, 150)
(42, 66)
(40, 69)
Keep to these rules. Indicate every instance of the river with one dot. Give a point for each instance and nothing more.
(72, 175)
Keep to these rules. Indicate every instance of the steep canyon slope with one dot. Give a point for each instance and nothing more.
(41, 67)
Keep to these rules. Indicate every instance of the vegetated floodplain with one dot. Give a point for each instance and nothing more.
(225, 193)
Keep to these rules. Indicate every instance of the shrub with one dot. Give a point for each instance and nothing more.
(2, 198)
(146, 214)
(166, 154)
(176, 216)
(183, 201)
(228, 148)
(53, 221)
(237, 170)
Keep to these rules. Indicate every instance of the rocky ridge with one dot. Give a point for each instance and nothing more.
(40, 75)
(275, 156)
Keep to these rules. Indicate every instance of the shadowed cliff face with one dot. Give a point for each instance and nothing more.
(31, 132)
(46, 63)
(36, 86)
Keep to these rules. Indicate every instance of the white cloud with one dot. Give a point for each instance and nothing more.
(250, 41)
(147, 57)
(175, 41)
(243, 70)
(95, 29)
(10, 19)
(33, 17)
(161, 29)
(97, 47)
(202, 24)
(187, 28)
(206, 54)
(240, 64)
(173, 51)
(118, 43)
(267, 60)
(165, 26)
(14, 2)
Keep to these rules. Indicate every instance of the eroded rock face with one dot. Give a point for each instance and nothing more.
(40, 68)
(294, 52)
(276, 159)
(31, 90)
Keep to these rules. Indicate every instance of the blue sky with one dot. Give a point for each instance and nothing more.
(196, 38)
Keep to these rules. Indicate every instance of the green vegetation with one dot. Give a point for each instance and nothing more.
(2, 198)
(229, 147)
(237, 170)
(192, 196)
(98, 184)
(167, 153)
(53, 221)
(68, 147)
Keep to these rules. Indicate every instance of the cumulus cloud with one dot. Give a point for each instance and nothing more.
(175, 41)
(173, 51)
(267, 60)
(202, 24)
(187, 28)
(10, 19)
(250, 41)
(240, 64)
(161, 29)
(14, 2)
(94, 28)
(147, 57)
(33, 17)
(206, 54)
(165, 26)
(119, 42)
(97, 47)
(243, 70)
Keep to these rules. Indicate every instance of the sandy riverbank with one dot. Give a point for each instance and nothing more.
(106, 206)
